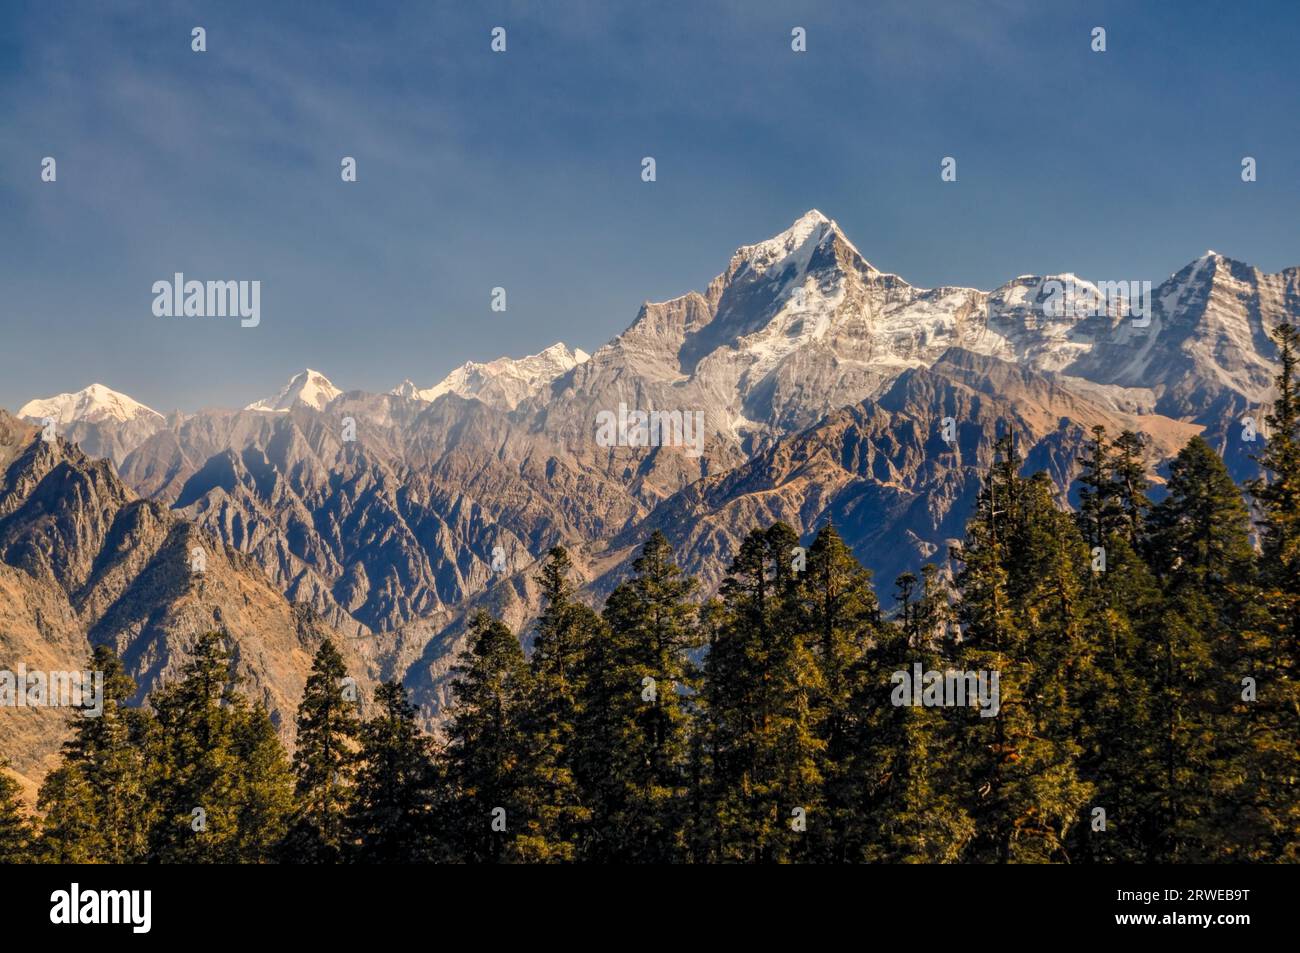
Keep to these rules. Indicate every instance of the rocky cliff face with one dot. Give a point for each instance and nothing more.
(84, 561)
(883, 474)
(821, 383)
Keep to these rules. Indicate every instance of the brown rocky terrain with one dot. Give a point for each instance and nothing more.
(84, 562)
(823, 383)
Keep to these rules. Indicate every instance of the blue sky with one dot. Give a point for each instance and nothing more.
(522, 169)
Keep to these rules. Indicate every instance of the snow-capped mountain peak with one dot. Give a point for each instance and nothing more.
(794, 246)
(505, 381)
(310, 387)
(93, 404)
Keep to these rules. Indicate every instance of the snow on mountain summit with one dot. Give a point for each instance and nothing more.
(310, 387)
(793, 247)
(93, 404)
(801, 324)
(503, 382)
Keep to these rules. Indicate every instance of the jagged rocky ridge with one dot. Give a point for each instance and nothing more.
(85, 561)
(822, 382)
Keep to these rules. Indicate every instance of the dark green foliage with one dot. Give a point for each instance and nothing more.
(904, 808)
(193, 761)
(393, 807)
(15, 825)
(638, 686)
(97, 803)
(762, 687)
(263, 793)
(553, 813)
(1146, 666)
(1023, 602)
(485, 749)
(1270, 732)
(839, 613)
(325, 761)
(219, 780)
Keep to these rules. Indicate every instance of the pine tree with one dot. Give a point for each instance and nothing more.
(1271, 723)
(392, 819)
(1200, 548)
(762, 683)
(16, 845)
(905, 809)
(1200, 531)
(1129, 485)
(1116, 706)
(842, 618)
(1021, 607)
(107, 754)
(600, 747)
(263, 789)
(324, 763)
(1122, 617)
(554, 813)
(69, 828)
(1278, 492)
(1100, 513)
(633, 745)
(486, 752)
(195, 766)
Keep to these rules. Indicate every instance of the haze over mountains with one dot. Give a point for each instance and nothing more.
(85, 561)
(823, 383)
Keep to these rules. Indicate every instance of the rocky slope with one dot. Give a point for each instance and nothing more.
(84, 561)
(820, 381)
(883, 474)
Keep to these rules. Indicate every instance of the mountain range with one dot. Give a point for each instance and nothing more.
(823, 385)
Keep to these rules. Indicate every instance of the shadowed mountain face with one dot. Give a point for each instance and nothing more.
(84, 561)
(882, 472)
(822, 384)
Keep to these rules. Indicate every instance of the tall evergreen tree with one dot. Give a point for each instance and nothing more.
(554, 813)
(112, 811)
(762, 683)
(842, 618)
(1200, 532)
(486, 753)
(16, 845)
(1200, 548)
(1277, 493)
(325, 761)
(638, 684)
(905, 808)
(264, 782)
(392, 817)
(195, 768)
(1129, 485)
(1116, 706)
(1271, 723)
(1100, 512)
(1021, 605)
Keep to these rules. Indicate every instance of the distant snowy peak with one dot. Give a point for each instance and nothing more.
(793, 248)
(309, 387)
(801, 324)
(503, 382)
(94, 404)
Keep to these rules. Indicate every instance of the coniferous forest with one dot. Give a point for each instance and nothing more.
(1148, 664)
